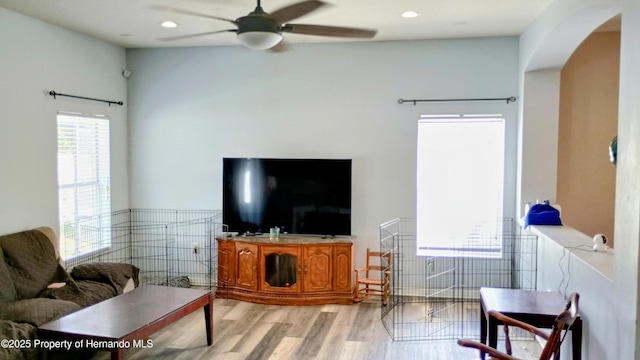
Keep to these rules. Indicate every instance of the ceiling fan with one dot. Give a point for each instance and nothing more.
(260, 30)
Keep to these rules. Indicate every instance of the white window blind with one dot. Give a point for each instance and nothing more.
(460, 182)
(84, 182)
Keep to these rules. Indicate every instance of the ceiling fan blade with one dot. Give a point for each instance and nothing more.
(295, 11)
(187, 12)
(172, 38)
(329, 31)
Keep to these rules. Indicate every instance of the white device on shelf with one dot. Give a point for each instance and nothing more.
(599, 242)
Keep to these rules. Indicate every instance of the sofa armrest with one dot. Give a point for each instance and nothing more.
(116, 274)
(51, 235)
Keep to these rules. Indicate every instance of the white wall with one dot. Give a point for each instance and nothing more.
(190, 107)
(36, 57)
(544, 48)
(538, 140)
(627, 221)
(565, 265)
(622, 340)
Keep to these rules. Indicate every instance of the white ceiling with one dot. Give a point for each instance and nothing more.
(131, 24)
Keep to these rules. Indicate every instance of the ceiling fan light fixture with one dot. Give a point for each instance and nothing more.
(259, 40)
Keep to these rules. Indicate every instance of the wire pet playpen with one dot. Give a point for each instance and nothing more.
(436, 297)
(171, 247)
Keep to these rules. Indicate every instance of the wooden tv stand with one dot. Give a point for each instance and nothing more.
(291, 270)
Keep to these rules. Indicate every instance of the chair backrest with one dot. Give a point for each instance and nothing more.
(377, 261)
(565, 319)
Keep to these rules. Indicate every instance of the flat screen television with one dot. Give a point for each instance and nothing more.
(300, 196)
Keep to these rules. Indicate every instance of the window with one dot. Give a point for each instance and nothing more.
(84, 181)
(460, 180)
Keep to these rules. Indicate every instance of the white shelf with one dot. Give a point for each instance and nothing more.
(580, 246)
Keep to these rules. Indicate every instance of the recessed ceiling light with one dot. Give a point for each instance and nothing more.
(409, 14)
(168, 24)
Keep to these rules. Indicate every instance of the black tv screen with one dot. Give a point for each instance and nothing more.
(300, 196)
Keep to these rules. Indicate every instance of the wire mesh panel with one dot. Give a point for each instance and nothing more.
(102, 238)
(171, 247)
(194, 250)
(437, 297)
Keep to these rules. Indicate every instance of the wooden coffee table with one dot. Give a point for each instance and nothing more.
(125, 321)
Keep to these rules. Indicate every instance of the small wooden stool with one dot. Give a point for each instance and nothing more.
(538, 308)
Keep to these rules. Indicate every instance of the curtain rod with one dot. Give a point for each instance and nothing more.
(54, 94)
(414, 101)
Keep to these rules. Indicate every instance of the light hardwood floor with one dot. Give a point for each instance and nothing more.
(247, 331)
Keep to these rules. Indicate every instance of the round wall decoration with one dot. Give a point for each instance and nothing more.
(613, 150)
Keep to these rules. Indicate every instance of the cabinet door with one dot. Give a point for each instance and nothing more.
(317, 272)
(342, 267)
(247, 266)
(226, 263)
(280, 268)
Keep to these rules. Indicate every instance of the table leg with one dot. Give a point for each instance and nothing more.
(483, 329)
(576, 339)
(493, 332)
(208, 320)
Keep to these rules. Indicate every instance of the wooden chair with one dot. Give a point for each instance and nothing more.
(554, 339)
(376, 279)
